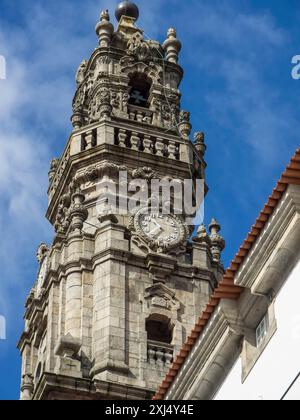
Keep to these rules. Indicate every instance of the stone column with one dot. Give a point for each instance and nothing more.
(73, 304)
(109, 334)
(27, 388)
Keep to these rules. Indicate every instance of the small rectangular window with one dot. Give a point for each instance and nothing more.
(262, 330)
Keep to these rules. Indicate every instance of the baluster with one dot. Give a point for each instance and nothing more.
(160, 147)
(160, 358)
(135, 141)
(122, 138)
(172, 150)
(132, 115)
(148, 144)
(139, 116)
(166, 150)
(169, 358)
(83, 143)
(89, 139)
(153, 146)
(116, 136)
(141, 144)
(177, 152)
(148, 119)
(151, 356)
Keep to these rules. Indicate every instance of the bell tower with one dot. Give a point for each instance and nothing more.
(118, 291)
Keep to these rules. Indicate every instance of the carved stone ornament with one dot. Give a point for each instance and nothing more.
(92, 174)
(80, 75)
(129, 66)
(202, 236)
(199, 142)
(59, 172)
(100, 106)
(170, 112)
(78, 212)
(140, 244)
(63, 217)
(139, 48)
(115, 100)
(42, 252)
(184, 116)
(160, 296)
(42, 257)
(53, 168)
(184, 125)
(144, 173)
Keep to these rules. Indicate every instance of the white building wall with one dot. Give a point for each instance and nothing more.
(279, 364)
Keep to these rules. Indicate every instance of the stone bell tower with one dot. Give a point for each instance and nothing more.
(117, 293)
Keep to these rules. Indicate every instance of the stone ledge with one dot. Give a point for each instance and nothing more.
(111, 366)
(68, 347)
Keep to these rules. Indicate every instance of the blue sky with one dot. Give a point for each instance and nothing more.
(238, 86)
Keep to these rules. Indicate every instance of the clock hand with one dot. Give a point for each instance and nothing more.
(156, 231)
(157, 224)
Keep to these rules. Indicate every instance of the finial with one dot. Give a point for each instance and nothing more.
(172, 33)
(199, 138)
(104, 29)
(172, 46)
(202, 235)
(53, 168)
(184, 125)
(104, 15)
(42, 252)
(199, 142)
(217, 241)
(214, 227)
(127, 8)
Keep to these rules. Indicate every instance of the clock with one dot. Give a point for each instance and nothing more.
(162, 232)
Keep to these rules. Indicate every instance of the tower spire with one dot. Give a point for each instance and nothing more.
(121, 282)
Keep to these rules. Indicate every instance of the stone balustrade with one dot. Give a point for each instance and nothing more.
(160, 354)
(139, 114)
(164, 145)
(148, 144)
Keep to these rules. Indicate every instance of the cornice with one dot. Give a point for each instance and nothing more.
(103, 153)
(90, 390)
(279, 233)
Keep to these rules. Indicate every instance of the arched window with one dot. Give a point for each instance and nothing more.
(38, 373)
(160, 329)
(140, 87)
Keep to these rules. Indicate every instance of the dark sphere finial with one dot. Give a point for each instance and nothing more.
(127, 8)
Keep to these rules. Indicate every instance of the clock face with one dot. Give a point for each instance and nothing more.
(164, 231)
